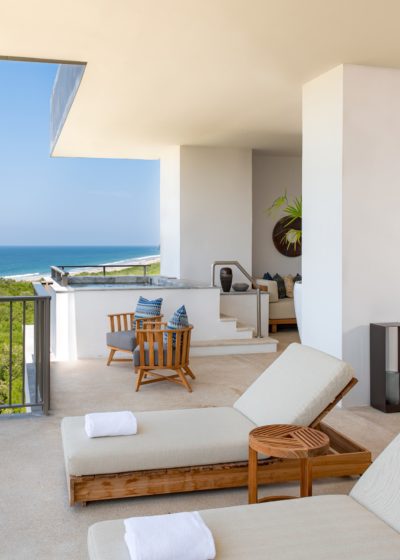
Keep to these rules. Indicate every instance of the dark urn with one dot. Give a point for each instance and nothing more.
(226, 279)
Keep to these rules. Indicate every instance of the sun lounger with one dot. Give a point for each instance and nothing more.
(207, 448)
(362, 526)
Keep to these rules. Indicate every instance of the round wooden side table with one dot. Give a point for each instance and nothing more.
(285, 441)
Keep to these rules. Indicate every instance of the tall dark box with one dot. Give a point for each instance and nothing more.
(385, 367)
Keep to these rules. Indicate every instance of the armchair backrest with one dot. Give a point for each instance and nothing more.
(163, 347)
(127, 322)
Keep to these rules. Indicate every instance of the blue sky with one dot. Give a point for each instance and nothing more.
(64, 201)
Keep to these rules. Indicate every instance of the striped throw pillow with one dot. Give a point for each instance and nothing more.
(146, 308)
(178, 320)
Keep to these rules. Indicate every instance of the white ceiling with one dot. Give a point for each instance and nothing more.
(195, 72)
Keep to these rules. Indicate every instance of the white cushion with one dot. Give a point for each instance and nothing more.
(165, 439)
(379, 487)
(319, 528)
(272, 286)
(296, 388)
(282, 309)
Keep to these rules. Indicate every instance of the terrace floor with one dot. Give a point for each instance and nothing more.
(36, 519)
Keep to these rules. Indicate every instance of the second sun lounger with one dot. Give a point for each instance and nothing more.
(207, 448)
(362, 526)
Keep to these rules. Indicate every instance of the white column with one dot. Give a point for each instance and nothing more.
(170, 223)
(206, 210)
(351, 194)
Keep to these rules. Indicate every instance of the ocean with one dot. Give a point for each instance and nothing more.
(31, 260)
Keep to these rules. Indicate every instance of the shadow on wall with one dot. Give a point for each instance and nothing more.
(355, 351)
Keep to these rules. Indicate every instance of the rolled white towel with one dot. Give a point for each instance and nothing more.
(177, 536)
(100, 424)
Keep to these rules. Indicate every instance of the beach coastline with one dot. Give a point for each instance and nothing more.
(111, 266)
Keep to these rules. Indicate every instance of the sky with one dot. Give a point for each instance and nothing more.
(65, 201)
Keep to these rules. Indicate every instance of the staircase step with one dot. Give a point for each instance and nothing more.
(227, 319)
(233, 346)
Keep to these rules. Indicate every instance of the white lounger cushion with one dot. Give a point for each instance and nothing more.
(296, 388)
(165, 439)
(379, 487)
(318, 528)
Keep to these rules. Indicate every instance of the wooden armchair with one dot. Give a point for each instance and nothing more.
(161, 348)
(122, 335)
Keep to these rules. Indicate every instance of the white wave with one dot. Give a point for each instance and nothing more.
(20, 276)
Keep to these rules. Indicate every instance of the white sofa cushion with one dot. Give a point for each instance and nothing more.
(282, 309)
(379, 487)
(272, 286)
(165, 439)
(296, 388)
(319, 528)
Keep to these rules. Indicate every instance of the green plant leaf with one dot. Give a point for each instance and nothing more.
(277, 204)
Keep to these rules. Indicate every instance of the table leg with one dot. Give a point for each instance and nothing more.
(252, 482)
(305, 478)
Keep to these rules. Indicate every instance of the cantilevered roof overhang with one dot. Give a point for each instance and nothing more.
(195, 72)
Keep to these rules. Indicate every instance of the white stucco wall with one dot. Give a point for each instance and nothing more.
(170, 226)
(206, 202)
(216, 209)
(272, 176)
(351, 177)
(322, 213)
(81, 316)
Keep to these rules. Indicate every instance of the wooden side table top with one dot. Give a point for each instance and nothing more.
(286, 441)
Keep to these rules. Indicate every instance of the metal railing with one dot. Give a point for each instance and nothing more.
(25, 381)
(250, 279)
(60, 274)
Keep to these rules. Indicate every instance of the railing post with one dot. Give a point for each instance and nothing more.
(258, 334)
(42, 352)
(253, 283)
(46, 355)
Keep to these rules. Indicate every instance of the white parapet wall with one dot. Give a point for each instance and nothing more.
(80, 322)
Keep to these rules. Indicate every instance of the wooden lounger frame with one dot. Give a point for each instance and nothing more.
(344, 458)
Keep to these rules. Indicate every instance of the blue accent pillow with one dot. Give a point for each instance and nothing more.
(281, 286)
(178, 320)
(146, 308)
(267, 276)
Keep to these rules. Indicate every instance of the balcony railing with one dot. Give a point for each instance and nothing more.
(62, 277)
(25, 353)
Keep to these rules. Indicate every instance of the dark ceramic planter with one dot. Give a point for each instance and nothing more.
(226, 279)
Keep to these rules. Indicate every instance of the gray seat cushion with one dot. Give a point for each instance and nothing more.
(136, 354)
(319, 528)
(125, 340)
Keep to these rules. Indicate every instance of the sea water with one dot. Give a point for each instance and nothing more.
(20, 261)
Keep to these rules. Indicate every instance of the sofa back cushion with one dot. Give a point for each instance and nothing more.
(379, 487)
(272, 289)
(296, 388)
(281, 285)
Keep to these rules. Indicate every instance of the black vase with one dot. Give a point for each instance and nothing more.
(226, 279)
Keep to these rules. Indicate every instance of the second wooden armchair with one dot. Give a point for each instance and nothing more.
(161, 348)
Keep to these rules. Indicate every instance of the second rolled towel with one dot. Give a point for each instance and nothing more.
(177, 536)
(101, 424)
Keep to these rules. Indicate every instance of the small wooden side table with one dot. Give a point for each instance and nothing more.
(285, 441)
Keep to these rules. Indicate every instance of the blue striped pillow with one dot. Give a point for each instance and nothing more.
(146, 308)
(178, 320)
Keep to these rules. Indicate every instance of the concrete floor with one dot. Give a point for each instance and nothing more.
(36, 521)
